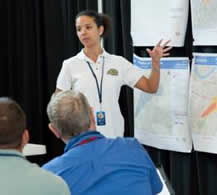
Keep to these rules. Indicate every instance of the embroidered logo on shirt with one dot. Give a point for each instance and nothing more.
(113, 72)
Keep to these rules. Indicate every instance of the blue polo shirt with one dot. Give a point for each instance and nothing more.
(95, 165)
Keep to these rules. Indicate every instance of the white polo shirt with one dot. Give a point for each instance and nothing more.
(75, 74)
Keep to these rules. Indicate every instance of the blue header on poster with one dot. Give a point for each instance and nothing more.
(206, 60)
(164, 64)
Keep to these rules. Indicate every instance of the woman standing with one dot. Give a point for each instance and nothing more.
(100, 75)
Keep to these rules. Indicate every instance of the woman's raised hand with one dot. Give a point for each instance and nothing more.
(160, 50)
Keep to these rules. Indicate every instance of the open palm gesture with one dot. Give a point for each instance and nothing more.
(160, 50)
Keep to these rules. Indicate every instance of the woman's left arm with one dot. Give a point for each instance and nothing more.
(151, 84)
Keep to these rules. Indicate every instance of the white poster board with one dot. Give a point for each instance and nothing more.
(154, 20)
(204, 25)
(203, 102)
(161, 119)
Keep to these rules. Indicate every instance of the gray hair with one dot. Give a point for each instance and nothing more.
(69, 113)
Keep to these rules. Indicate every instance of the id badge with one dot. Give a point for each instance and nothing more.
(100, 118)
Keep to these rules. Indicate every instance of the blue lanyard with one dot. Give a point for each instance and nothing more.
(99, 88)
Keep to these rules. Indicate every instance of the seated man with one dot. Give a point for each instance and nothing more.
(93, 164)
(17, 175)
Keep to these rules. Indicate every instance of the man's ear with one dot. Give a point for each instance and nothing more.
(54, 130)
(25, 137)
(92, 119)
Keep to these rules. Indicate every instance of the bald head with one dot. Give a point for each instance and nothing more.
(69, 113)
(12, 123)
